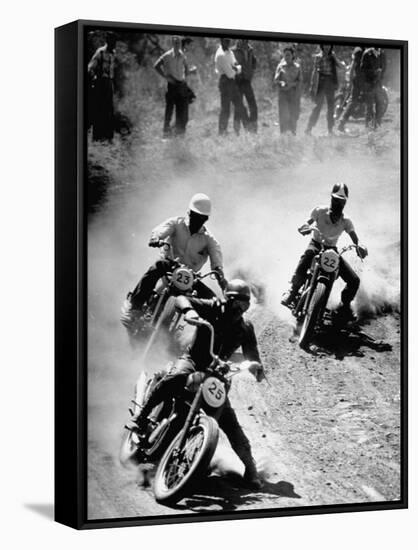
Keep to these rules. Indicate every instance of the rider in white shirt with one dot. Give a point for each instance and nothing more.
(327, 223)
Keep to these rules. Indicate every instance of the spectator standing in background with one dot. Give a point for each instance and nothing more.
(356, 86)
(372, 68)
(101, 69)
(244, 55)
(173, 67)
(289, 79)
(227, 68)
(324, 82)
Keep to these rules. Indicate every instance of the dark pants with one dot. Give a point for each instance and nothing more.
(146, 285)
(351, 279)
(249, 120)
(326, 90)
(374, 104)
(288, 110)
(173, 385)
(176, 98)
(229, 95)
(103, 113)
(353, 101)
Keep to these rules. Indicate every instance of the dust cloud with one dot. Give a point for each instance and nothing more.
(255, 218)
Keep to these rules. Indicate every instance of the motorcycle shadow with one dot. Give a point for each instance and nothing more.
(343, 343)
(229, 492)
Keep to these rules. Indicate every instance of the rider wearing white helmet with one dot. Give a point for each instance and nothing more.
(327, 223)
(189, 241)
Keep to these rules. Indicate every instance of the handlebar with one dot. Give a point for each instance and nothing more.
(199, 322)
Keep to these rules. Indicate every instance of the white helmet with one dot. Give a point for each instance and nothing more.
(201, 204)
(340, 191)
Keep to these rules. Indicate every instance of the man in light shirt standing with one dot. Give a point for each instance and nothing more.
(227, 68)
(173, 67)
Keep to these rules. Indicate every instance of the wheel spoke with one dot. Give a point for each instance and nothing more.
(180, 465)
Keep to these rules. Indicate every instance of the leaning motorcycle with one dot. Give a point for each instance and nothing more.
(159, 312)
(310, 307)
(183, 433)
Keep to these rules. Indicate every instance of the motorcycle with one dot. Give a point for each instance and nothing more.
(183, 433)
(310, 304)
(359, 111)
(159, 312)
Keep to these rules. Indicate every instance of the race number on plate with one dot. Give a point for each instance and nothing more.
(329, 260)
(183, 278)
(214, 392)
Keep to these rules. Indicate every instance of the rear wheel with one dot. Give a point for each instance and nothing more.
(312, 314)
(180, 469)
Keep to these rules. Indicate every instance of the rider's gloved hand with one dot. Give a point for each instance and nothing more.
(257, 370)
(221, 277)
(224, 368)
(305, 229)
(154, 242)
(361, 251)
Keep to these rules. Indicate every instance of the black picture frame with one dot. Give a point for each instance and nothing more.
(71, 276)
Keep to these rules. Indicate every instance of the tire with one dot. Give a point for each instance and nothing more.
(173, 493)
(311, 317)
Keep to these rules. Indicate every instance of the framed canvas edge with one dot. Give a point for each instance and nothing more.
(79, 520)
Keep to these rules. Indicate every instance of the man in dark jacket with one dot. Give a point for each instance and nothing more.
(101, 69)
(244, 54)
(324, 82)
(372, 68)
(355, 86)
(232, 331)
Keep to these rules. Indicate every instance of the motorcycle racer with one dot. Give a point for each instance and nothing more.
(327, 224)
(189, 241)
(232, 331)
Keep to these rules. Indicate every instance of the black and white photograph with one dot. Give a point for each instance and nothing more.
(244, 272)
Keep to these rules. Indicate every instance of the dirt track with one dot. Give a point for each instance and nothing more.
(325, 431)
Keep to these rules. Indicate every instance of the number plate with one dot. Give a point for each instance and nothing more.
(214, 392)
(330, 260)
(183, 278)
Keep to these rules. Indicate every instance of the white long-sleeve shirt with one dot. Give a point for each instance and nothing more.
(225, 62)
(192, 250)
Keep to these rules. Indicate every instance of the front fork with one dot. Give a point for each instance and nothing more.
(195, 406)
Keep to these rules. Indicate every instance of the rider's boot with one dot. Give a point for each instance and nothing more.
(137, 422)
(344, 313)
(251, 476)
(289, 297)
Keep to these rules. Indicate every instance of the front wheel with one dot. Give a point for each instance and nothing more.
(312, 314)
(180, 469)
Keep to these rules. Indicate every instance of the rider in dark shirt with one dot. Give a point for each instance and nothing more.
(232, 331)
